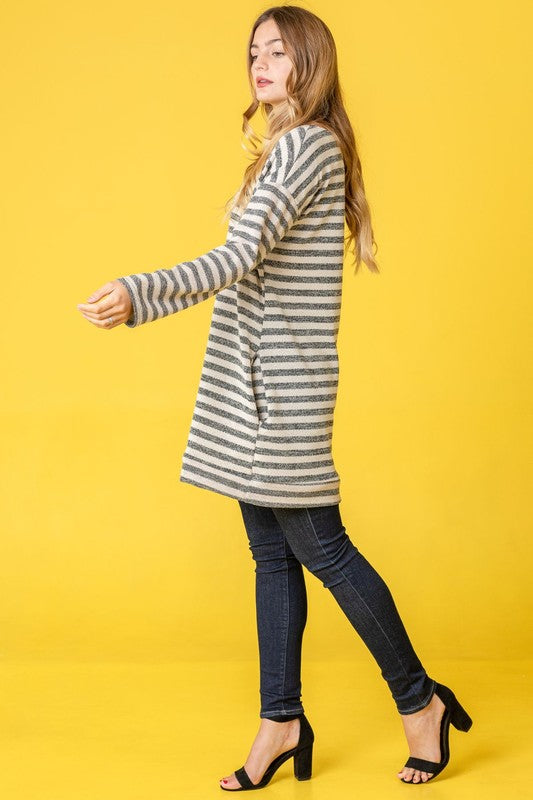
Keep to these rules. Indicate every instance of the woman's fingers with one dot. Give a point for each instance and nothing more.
(97, 306)
(91, 313)
(107, 288)
(108, 322)
(100, 317)
(98, 310)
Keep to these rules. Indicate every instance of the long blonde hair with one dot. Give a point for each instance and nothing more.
(313, 96)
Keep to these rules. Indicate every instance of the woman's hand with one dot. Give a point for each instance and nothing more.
(108, 306)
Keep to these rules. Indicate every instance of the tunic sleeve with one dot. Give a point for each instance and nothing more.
(288, 182)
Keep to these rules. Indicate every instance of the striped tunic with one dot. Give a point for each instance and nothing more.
(262, 424)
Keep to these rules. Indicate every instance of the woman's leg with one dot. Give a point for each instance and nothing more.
(319, 541)
(281, 613)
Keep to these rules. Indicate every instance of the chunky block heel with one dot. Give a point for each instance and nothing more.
(303, 763)
(303, 757)
(460, 718)
(455, 714)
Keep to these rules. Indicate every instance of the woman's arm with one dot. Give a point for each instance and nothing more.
(292, 174)
(297, 161)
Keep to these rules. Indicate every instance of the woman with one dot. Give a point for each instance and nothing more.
(262, 425)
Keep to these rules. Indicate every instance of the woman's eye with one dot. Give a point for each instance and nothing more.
(277, 53)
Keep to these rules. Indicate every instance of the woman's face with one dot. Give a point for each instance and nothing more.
(269, 61)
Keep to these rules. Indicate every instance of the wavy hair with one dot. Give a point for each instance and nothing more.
(314, 96)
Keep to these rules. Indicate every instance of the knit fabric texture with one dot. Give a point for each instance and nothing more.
(262, 424)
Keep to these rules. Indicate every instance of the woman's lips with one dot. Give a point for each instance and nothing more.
(263, 82)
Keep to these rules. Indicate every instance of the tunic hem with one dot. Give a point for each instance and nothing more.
(302, 495)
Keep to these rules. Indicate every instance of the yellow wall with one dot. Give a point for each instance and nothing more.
(120, 145)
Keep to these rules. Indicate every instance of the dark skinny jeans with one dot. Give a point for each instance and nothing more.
(282, 542)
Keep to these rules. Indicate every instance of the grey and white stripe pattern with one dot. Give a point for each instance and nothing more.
(262, 425)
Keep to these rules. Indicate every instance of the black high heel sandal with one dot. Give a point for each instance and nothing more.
(303, 760)
(454, 713)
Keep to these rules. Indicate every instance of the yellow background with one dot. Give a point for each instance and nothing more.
(120, 145)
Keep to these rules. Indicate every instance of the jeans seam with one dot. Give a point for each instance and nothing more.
(358, 594)
(269, 714)
(287, 623)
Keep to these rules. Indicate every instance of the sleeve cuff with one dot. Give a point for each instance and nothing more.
(135, 318)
